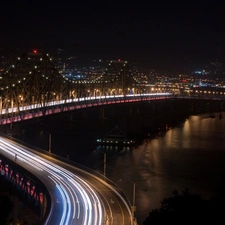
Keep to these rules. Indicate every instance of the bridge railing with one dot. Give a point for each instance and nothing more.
(96, 99)
(16, 114)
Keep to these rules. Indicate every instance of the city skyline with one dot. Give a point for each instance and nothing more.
(163, 34)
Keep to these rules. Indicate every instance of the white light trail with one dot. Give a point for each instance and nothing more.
(68, 185)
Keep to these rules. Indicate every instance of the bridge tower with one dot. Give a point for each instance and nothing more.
(32, 79)
(118, 77)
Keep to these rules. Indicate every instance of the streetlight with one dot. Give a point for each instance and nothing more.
(133, 201)
(104, 162)
(49, 140)
(133, 206)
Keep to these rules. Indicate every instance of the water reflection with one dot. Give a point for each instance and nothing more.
(188, 156)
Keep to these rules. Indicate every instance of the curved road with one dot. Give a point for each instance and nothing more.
(77, 197)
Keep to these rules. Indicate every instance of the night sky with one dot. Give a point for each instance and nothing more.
(163, 34)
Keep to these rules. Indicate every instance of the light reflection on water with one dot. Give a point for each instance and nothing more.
(189, 156)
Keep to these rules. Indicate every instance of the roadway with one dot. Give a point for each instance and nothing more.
(25, 112)
(77, 196)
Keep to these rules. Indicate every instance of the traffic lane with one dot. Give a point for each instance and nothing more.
(90, 213)
(117, 210)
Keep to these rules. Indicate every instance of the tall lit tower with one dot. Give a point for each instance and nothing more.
(118, 71)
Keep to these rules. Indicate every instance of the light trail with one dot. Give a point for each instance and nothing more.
(70, 189)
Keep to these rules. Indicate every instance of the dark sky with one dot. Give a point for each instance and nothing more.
(160, 32)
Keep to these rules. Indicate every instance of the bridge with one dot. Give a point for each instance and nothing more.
(33, 79)
(32, 88)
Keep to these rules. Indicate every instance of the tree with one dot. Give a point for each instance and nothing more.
(6, 206)
(186, 208)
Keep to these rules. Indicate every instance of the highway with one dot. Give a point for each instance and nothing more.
(77, 196)
(13, 114)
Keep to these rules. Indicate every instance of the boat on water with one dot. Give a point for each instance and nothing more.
(116, 138)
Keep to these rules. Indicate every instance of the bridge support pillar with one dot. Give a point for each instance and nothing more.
(70, 117)
(102, 113)
(130, 110)
(112, 112)
(153, 107)
(84, 113)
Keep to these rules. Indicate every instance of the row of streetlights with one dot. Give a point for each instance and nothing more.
(134, 189)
